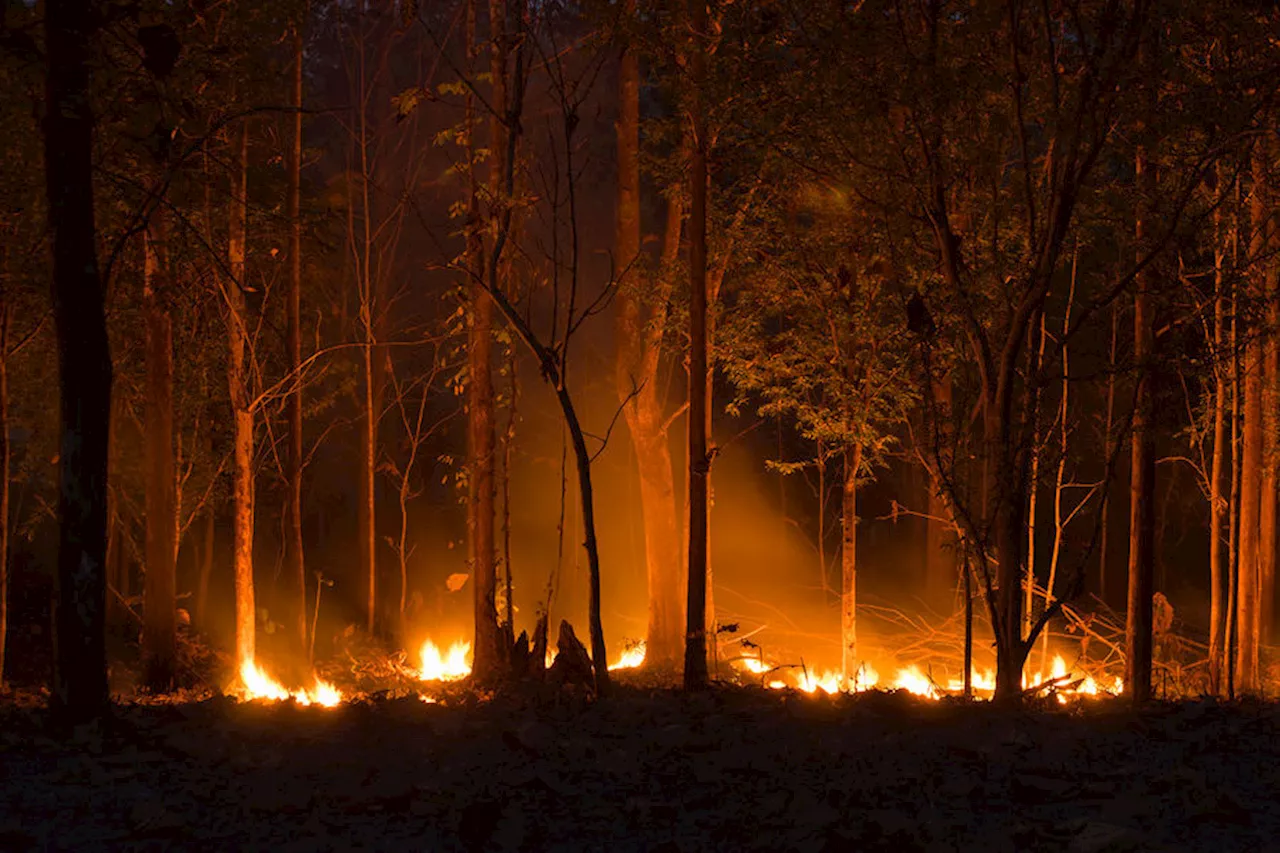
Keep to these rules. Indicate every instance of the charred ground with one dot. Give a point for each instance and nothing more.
(643, 769)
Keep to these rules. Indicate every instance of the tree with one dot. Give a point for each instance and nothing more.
(237, 319)
(638, 357)
(695, 648)
(295, 571)
(84, 365)
(160, 624)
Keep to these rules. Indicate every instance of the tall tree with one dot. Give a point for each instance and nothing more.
(695, 649)
(1248, 599)
(639, 351)
(84, 364)
(242, 524)
(295, 563)
(159, 635)
(480, 404)
(1138, 638)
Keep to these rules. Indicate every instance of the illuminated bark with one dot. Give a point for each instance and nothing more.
(1252, 497)
(4, 467)
(84, 366)
(1270, 398)
(695, 650)
(940, 562)
(1217, 472)
(1137, 676)
(242, 414)
(159, 634)
(639, 347)
(295, 615)
(849, 566)
(480, 416)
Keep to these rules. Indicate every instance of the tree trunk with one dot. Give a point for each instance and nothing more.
(1270, 399)
(159, 634)
(480, 416)
(295, 616)
(695, 649)
(1138, 640)
(940, 561)
(849, 565)
(1217, 502)
(1108, 449)
(638, 354)
(4, 473)
(1253, 499)
(242, 414)
(84, 366)
(367, 516)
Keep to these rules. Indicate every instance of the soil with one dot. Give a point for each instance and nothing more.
(644, 770)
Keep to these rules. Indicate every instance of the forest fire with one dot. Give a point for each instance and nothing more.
(257, 685)
(451, 665)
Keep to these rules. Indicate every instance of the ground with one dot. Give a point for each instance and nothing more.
(731, 769)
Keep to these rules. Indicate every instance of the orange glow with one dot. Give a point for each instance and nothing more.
(631, 658)
(450, 666)
(258, 685)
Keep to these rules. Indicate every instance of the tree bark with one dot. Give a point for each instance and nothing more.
(1252, 497)
(1138, 640)
(1270, 399)
(4, 472)
(695, 649)
(486, 651)
(159, 634)
(84, 366)
(242, 414)
(940, 562)
(1217, 472)
(295, 616)
(639, 345)
(849, 566)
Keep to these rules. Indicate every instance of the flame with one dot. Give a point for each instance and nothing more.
(450, 666)
(259, 685)
(631, 658)
(914, 681)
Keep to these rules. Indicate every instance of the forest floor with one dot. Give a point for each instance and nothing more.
(732, 769)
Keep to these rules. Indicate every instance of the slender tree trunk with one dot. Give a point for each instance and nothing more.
(1108, 450)
(695, 650)
(1036, 357)
(1253, 478)
(368, 516)
(1064, 431)
(84, 366)
(295, 565)
(1270, 401)
(480, 417)
(4, 469)
(1232, 629)
(242, 414)
(159, 635)
(508, 445)
(849, 565)
(1138, 639)
(940, 561)
(1217, 502)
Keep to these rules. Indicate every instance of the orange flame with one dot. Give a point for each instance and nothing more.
(258, 685)
(450, 666)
